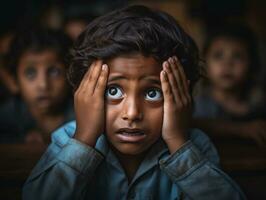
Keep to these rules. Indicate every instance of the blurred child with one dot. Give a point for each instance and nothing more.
(36, 61)
(227, 106)
(75, 20)
(74, 26)
(132, 103)
(7, 83)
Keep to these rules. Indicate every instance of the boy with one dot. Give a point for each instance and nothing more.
(36, 62)
(145, 151)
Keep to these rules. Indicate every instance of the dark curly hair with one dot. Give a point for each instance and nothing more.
(37, 39)
(134, 29)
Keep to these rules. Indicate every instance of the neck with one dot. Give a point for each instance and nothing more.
(130, 163)
(231, 100)
(47, 121)
(222, 95)
(40, 114)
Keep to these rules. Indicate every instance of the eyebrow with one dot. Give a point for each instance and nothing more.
(151, 79)
(115, 78)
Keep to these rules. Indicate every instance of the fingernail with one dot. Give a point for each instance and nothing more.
(104, 67)
(165, 64)
(175, 58)
(171, 60)
(164, 74)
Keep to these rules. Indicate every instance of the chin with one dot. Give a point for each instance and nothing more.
(131, 149)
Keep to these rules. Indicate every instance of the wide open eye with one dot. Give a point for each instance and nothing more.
(153, 94)
(218, 55)
(54, 71)
(113, 92)
(30, 72)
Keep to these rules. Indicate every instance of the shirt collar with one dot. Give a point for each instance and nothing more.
(151, 160)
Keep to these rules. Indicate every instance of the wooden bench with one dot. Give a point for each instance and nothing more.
(245, 162)
(17, 160)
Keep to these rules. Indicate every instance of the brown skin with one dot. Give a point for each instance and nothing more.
(42, 84)
(227, 67)
(228, 57)
(74, 27)
(132, 107)
(8, 80)
(134, 75)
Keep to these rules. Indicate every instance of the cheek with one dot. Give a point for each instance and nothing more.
(58, 84)
(154, 119)
(26, 88)
(213, 68)
(241, 70)
(111, 114)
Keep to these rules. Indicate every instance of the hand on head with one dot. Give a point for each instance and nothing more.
(89, 103)
(177, 104)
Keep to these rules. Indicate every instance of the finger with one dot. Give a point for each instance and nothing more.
(184, 80)
(102, 81)
(167, 93)
(178, 79)
(89, 85)
(181, 71)
(172, 82)
(85, 78)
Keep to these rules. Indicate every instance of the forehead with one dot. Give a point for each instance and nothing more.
(134, 66)
(38, 56)
(228, 42)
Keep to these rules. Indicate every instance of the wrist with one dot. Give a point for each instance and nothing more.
(87, 139)
(175, 143)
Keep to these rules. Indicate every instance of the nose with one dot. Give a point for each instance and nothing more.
(43, 81)
(132, 110)
(228, 61)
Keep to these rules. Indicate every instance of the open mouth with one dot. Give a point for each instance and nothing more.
(131, 135)
(43, 98)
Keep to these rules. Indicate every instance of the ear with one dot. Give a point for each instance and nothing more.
(9, 81)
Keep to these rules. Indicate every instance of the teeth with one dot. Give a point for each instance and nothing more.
(132, 133)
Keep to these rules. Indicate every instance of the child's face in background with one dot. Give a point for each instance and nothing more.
(134, 100)
(42, 80)
(227, 63)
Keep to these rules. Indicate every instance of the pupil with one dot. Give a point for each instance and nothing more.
(152, 93)
(113, 91)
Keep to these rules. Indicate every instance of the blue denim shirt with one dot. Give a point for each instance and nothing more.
(72, 170)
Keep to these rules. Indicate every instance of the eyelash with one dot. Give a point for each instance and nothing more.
(112, 86)
(158, 91)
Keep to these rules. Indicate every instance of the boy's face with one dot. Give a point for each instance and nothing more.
(134, 103)
(41, 79)
(227, 61)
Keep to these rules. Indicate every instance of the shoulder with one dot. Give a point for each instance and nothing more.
(205, 106)
(204, 144)
(64, 133)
